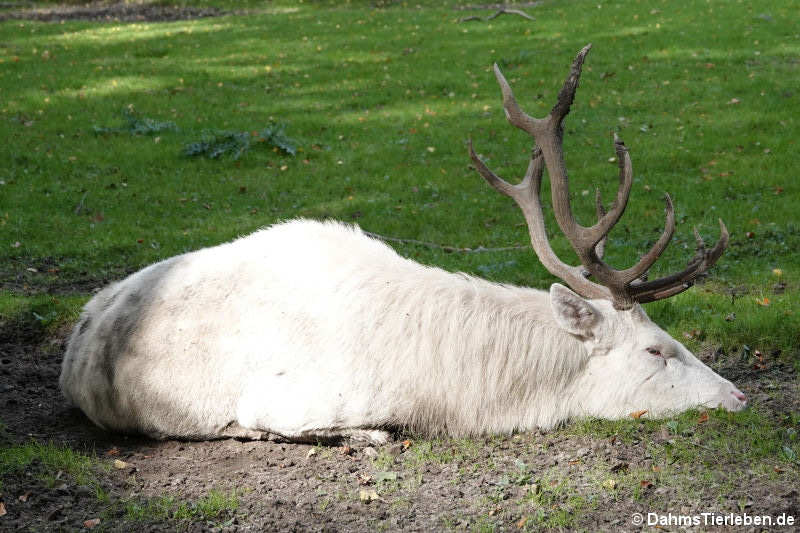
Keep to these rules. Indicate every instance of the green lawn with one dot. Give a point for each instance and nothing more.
(380, 102)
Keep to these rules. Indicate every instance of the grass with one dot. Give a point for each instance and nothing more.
(51, 458)
(748, 436)
(42, 312)
(382, 126)
(379, 101)
(213, 506)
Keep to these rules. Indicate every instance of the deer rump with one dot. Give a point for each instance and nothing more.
(308, 331)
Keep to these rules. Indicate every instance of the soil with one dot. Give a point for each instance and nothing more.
(110, 12)
(419, 485)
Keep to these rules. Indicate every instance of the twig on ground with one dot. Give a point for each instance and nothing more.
(501, 11)
(701, 446)
(506, 11)
(498, 5)
(444, 247)
(79, 207)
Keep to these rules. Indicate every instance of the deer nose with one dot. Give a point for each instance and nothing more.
(739, 395)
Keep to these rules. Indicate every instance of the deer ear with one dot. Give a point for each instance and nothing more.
(573, 313)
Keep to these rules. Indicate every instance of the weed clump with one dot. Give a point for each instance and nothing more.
(135, 124)
(216, 143)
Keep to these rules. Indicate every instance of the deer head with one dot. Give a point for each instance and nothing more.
(633, 363)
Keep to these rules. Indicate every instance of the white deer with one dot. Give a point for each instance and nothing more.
(312, 330)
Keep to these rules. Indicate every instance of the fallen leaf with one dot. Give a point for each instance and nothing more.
(521, 522)
(346, 450)
(113, 451)
(777, 271)
(656, 468)
(16, 244)
(638, 414)
(703, 417)
(750, 234)
(609, 484)
(91, 523)
(645, 484)
(119, 464)
(311, 453)
(406, 444)
(733, 101)
(368, 496)
(764, 302)
(3, 511)
(24, 497)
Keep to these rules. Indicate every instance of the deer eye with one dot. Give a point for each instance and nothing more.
(654, 351)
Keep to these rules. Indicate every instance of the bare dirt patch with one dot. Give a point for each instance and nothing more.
(111, 12)
(526, 481)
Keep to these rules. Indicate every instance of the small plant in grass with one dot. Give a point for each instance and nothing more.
(136, 124)
(154, 509)
(552, 505)
(384, 461)
(212, 506)
(216, 143)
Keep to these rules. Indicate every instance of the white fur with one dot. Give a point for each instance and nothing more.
(309, 330)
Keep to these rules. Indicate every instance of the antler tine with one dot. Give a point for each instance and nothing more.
(516, 116)
(527, 196)
(595, 234)
(671, 285)
(491, 178)
(567, 93)
(600, 249)
(644, 264)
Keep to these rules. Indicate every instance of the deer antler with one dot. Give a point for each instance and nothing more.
(623, 287)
